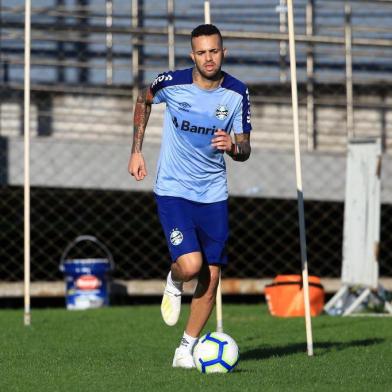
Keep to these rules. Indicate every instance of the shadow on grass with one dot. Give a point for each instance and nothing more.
(320, 348)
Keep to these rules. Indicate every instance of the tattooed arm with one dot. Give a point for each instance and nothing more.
(136, 166)
(239, 151)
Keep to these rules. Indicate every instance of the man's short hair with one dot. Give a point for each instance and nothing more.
(206, 29)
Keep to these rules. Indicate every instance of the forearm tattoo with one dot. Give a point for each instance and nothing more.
(240, 150)
(140, 119)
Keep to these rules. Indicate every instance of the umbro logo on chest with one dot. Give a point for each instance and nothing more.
(185, 106)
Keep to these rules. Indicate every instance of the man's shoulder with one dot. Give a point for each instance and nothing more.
(234, 84)
(172, 78)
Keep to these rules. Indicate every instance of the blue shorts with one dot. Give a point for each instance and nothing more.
(194, 227)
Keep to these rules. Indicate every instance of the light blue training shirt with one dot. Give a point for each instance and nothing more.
(188, 166)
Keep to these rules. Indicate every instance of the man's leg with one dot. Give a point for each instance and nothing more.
(186, 268)
(203, 300)
(201, 307)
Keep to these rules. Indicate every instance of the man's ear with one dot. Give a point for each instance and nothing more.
(192, 56)
(224, 52)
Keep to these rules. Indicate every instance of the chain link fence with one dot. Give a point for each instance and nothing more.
(88, 59)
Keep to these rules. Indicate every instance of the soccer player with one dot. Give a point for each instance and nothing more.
(204, 105)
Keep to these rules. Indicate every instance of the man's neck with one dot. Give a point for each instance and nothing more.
(204, 83)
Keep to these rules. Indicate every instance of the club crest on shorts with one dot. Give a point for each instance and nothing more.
(221, 112)
(176, 237)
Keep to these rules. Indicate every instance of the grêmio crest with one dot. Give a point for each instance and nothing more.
(221, 112)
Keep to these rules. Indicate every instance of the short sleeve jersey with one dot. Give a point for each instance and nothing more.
(188, 166)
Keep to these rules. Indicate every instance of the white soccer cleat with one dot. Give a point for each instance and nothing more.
(183, 359)
(171, 304)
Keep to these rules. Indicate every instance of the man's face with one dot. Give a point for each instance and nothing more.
(207, 54)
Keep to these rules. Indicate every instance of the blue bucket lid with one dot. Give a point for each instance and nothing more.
(86, 261)
(85, 266)
(70, 264)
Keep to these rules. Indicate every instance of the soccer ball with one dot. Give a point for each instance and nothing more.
(216, 352)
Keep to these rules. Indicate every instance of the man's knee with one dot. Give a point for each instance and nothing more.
(214, 277)
(210, 279)
(188, 266)
(189, 272)
(212, 285)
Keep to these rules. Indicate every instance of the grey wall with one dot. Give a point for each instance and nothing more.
(103, 165)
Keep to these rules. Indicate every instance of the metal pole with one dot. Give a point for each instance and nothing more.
(82, 46)
(310, 130)
(4, 72)
(282, 44)
(109, 42)
(26, 119)
(349, 71)
(60, 46)
(301, 212)
(170, 34)
(135, 52)
(207, 12)
(219, 310)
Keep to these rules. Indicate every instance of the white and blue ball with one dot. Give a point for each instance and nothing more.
(216, 352)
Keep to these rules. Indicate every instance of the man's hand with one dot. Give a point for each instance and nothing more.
(136, 166)
(222, 140)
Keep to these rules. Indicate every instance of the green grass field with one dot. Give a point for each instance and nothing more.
(130, 349)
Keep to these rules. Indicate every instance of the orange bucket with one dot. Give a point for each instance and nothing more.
(285, 296)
